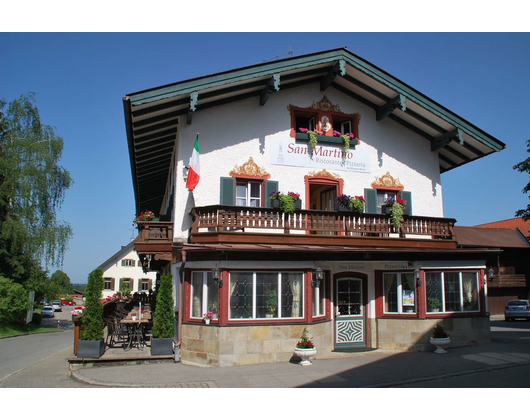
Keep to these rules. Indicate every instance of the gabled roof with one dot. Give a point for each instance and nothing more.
(152, 115)
(118, 255)
(488, 238)
(514, 223)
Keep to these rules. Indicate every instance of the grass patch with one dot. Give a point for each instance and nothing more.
(7, 330)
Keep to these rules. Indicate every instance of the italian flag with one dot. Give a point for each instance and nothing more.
(194, 172)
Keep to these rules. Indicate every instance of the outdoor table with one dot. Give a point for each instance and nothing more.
(136, 326)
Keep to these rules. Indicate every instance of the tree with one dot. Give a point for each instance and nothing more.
(32, 190)
(62, 281)
(164, 313)
(524, 166)
(92, 319)
(13, 302)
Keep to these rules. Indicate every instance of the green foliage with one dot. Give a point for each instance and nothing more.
(62, 280)
(357, 204)
(287, 203)
(438, 332)
(305, 342)
(164, 313)
(434, 303)
(92, 319)
(396, 215)
(271, 301)
(32, 193)
(13, 302)
(524, 166)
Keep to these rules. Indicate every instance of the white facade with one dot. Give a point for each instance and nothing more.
(250, 130)
(125, 266)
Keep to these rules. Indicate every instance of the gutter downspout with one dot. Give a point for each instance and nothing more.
(181, 306)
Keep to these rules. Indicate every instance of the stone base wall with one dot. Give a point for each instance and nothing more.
(211, 345)
(414, 334)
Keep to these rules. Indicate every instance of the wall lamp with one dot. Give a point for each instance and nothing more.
(491, 274)
(318, 277)
(216, 273)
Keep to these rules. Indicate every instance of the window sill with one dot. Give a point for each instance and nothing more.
(326, 139)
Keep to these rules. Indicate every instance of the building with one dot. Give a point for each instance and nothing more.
(124, 269)
(355, 281)
(509, 277)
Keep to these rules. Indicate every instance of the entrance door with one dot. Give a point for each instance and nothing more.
(350, 313)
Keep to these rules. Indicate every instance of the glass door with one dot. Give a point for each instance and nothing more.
(350, 316)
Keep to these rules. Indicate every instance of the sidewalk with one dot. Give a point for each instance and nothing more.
(370, 369)
(366, 369)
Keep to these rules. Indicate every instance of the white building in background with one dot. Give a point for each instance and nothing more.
(124, 267)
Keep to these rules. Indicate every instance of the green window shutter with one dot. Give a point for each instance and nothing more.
(228, 191)
(407, 195)
(270, 187)
(370, 197)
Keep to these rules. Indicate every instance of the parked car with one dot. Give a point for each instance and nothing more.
(57, 305)
(67, 302)
(48, 312)
(44, 303)
(519, 308)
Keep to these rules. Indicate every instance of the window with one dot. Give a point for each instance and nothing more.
(399, 293)
(260, 295)
(382, 196)
(145, 285)
(305, 120)
(128, 263)
(109, 283)
(342, 124)
(204, 294)
(248, 193)
(127, 283)
(452, 291)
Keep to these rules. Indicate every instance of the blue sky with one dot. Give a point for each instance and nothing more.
(80, 79)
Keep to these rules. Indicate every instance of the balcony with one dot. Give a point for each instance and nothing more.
(254, 225)
(154, 244)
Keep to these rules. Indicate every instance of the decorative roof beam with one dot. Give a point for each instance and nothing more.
(272, 85)
(338, 68)
(447, 138)
(193, 104)
(390, 106)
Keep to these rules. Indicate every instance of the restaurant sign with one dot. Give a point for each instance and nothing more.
(290, 153)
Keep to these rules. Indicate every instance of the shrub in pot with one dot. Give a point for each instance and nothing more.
(91, 342)
(163, 327)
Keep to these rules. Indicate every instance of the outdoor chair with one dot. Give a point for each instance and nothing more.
(117, 333)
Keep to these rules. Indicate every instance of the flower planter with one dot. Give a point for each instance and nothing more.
(440, 344)
(305, 354)
(275, 204)
(342, 208)
(90, 349)
(207, 321)
(161, 346)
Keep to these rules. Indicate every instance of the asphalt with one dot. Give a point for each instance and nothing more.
(371, 369)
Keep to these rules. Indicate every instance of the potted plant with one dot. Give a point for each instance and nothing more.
(342, 203)
(433, 304)
(288, 203)
(313, 138)
(440, 339)
(144, 216)
(396, 210)
(90, 343)
(345, 139)
(271, 303)
(163, 327)
(305, 349)
(207, 317)
(357, 204)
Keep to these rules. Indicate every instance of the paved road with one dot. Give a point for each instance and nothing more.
(17, 353)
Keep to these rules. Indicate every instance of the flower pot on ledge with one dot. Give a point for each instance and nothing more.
(342, 208)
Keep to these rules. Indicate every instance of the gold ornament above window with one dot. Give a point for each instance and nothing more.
(324, 174)
(249, 169)
(387, 181)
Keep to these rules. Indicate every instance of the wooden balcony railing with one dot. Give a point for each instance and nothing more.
(154, 235)
(233, 219)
